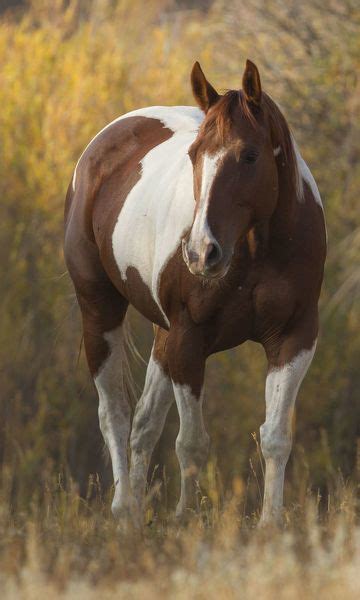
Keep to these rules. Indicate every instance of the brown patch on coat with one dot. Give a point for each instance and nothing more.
(160, 348)
(106, 173)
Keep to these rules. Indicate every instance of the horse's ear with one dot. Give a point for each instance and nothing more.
(251, 83)
(204, 93)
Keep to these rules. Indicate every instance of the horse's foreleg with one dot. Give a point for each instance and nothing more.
(187, 365)
(149, 419)
(285, 374)
(192, 446)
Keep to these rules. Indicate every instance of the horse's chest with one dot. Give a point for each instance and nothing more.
(226, 315)
(262, 302)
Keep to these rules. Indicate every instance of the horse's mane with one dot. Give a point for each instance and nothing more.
(221, 116)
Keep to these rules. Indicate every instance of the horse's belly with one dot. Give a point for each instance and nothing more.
(156, 214)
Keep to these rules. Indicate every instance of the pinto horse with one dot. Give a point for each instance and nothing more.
(209, 222)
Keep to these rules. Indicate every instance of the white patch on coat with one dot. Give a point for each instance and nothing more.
(305, 175)
(148, 423)
(200, 231)
(277, 151)
(114, 416)
(159, 209)
(173, 117)
(282, 386)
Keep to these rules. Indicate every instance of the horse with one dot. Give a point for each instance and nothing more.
(209, 222)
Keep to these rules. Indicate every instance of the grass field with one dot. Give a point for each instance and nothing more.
(65, 547)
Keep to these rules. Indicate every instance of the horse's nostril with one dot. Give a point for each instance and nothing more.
(213, 254)
(193, 256)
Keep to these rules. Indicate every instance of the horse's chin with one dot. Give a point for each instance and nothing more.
(210, 275)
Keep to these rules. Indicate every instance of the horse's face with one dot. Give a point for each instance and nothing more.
(235, 174)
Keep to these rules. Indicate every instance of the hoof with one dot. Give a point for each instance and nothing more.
(126, 513)
(271, 522)
(184, 515)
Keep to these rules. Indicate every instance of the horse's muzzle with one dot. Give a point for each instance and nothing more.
(207, 262)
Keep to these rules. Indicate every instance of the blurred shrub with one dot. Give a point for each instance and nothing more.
(68, 68)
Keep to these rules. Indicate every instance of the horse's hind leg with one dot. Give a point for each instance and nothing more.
(149, 419)
(103, 311)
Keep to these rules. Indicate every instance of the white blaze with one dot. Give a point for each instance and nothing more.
(200, 230)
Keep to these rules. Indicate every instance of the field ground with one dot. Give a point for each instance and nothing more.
(66, 547)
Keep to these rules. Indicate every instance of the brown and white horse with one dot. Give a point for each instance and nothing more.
(208, 221)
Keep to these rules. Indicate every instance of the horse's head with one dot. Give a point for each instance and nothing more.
(234, 166)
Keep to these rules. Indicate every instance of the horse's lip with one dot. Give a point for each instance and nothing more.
(217, 274)
(213, 275)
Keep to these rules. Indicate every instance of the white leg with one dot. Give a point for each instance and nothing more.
(114, 419)
(148, 424)
(282, 385)
(192, 445)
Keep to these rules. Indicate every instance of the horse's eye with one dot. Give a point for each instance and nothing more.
(250, 157)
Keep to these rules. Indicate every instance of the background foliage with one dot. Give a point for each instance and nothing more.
(67, 69)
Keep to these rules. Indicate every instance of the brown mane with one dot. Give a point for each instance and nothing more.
(220, 118)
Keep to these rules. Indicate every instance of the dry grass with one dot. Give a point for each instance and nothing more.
(65, 547)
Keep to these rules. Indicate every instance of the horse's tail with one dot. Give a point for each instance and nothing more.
(130, 355)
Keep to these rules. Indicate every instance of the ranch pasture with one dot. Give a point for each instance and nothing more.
(68, 69)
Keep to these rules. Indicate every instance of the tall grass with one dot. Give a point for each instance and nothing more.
(63, 545)
(68, 547)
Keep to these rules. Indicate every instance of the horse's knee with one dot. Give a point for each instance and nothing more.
(194, 451)
(274, 444)
(142, 437)
(145, 428)
(113, 415)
